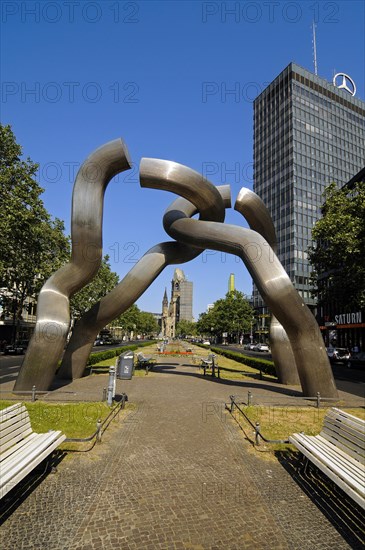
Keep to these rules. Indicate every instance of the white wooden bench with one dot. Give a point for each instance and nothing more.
(21, 449)
(338, 451)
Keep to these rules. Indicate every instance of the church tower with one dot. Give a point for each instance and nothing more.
(165, 312)
(180, 306)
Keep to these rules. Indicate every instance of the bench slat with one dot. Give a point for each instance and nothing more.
(13, 424)
(21, 442)
(5, 413)
(345, 461)
(19, 462)
(13, 417)
(25, 471)
(21, 430)
(26, 447)
(352, 449)
(330, 454)
(353, 434)
(321, 466)
(347, 416)
(313, 447)
(14, 438)
(21, 450)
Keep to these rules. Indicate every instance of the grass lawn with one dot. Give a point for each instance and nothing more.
(230, 369)
(75, 420)
(278, 423)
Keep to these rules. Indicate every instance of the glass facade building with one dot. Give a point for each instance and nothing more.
(307, 134)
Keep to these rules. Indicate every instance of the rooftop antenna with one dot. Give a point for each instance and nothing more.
(314, 49)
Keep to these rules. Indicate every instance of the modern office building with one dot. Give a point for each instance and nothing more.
(180, 306)
(308, 132)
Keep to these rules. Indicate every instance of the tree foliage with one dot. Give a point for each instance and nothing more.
(232, 314)
(140, 322)
(337, 255)
(33, 245)
(104, 281)
(186, 328)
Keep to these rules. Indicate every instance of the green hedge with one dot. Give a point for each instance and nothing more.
(102, 355)
(263, 365)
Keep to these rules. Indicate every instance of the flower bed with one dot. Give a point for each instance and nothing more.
(175, 352)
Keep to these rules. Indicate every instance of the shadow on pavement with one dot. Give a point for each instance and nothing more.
(234, 383)
(342, 512)
(16, 496)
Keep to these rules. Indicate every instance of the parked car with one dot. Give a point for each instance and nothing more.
(99, 342)
(16, 349)
(250, 346)
(356, 361)
(262, 347)
(338, 355)
(206, 343)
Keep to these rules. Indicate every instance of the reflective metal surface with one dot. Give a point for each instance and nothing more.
(254, 210)
(255, 248)
(53, 311)
(208, 200)
(275, 288)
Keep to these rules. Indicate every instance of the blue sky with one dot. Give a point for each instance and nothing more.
(159, 74)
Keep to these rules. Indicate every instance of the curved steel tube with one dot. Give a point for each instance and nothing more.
(254, 210)
(275, 288)
(208, 200)
(53, 317)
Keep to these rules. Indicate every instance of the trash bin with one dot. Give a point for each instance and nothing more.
(125, 365)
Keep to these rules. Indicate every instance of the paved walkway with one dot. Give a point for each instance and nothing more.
(176, 474)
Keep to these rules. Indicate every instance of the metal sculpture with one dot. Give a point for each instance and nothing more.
(258, 217)
(254, 247)
(210, 202)
(53, 317)
(270, 278)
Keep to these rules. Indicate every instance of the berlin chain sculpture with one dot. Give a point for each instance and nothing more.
(258, 217)
(297, 344)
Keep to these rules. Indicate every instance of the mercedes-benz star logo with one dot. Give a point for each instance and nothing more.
(346, 83)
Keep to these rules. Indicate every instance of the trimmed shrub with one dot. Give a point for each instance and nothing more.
(108, 354)
(263, 365)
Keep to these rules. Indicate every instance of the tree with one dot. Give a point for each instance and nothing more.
(337, 255)
(127, 320)
(136, 321)
(147, 323)
(186, 328)
(232, 314)
(33, 245)
(104, 281)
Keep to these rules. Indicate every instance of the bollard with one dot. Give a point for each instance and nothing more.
(123, 400)
(104, 395)
(33, 393)
(249, 397)
(257, 433)
(111, 385)
(318, 400)
(232, 402)
(98, 430)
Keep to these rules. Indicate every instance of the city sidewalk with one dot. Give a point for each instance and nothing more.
(177, 473)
